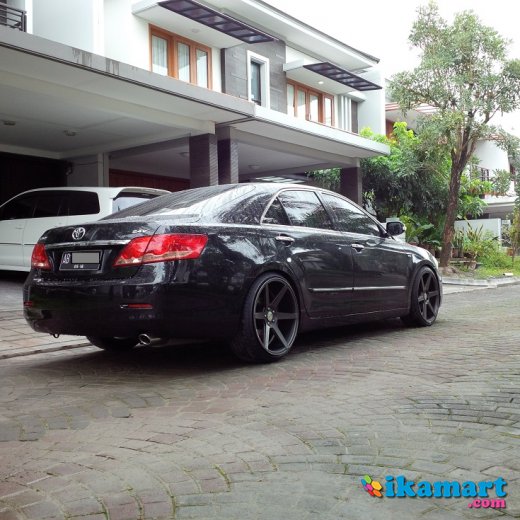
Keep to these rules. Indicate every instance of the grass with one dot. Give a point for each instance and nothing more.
(496, 272)
(494, 267)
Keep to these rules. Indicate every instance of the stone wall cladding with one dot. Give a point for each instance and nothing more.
(234, 71)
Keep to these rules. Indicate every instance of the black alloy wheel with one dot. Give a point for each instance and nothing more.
(113, 344)
(425, 299)
(270, 320)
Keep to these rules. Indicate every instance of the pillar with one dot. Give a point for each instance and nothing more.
(203, 160)
(351, 184)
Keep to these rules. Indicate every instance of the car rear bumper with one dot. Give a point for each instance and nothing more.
(163, 310)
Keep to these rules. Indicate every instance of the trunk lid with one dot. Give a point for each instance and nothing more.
(88, 251)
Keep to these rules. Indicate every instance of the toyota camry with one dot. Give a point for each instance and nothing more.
(254, 264)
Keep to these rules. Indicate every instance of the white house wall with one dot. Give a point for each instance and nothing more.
(127, 37)
(371, 112)
(76, 23)
(491, 156)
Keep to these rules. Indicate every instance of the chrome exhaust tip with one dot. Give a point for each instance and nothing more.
(147, 340)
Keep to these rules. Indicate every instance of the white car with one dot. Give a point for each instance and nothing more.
(25, 217)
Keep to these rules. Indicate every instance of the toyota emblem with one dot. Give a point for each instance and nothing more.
(78, 233)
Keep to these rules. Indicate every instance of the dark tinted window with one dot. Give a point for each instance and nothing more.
(276, 214)
(82, 202)
(20, 207)
(350, 218)
(305, 209)
(50, 204)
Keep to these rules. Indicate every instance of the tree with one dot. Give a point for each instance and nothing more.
(328, 178)
(411, 180)
(465, 75)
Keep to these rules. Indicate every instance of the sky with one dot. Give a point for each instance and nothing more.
(381, 28)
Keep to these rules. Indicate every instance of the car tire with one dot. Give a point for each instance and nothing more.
(425, 299)
(270, 320)
(113, 344)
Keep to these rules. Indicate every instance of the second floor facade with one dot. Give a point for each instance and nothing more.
(246, 49)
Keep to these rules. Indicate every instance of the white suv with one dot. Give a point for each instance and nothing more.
(25, 217)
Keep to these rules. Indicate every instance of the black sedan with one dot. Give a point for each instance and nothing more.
(251, 263)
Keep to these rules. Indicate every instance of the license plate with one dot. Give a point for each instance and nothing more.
(80, 261)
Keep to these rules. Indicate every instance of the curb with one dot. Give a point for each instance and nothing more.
(41, 350)
(482, 282)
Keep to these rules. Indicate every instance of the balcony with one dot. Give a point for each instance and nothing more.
(13, 17)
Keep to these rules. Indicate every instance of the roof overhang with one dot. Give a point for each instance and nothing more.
(343, 76)
(301, 72)
(217, 20)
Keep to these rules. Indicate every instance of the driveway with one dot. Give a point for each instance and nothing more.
(189, 432)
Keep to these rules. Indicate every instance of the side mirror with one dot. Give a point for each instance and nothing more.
(395, 228)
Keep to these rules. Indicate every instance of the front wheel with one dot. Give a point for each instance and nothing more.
(269, 322)
(425, 299)
(113, 344)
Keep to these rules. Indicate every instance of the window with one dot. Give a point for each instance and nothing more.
(47, 203)
(172, 55)
(256, 82)
(160, 55)
(350, 218)
(305, 209)
(276, 214)
(258, 79)
(348, 114)
(313, 105)
(50, 204)
(20, 207)
(83, 203)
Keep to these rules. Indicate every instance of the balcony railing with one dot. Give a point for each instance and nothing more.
(13, 17)
(484, 174)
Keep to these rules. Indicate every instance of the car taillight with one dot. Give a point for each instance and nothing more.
(39, 258)
(161, 248)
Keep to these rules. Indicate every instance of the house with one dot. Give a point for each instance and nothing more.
(177, 94)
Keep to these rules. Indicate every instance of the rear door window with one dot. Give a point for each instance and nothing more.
(305, 209)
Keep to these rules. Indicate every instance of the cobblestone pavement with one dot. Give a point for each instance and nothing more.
(189, 432)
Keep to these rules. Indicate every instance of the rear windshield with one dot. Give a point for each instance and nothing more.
(188, 203)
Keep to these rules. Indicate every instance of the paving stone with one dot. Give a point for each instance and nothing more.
(192, 433)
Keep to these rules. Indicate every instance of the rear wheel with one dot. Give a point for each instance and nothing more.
(269, 322)
(113, 344)
(425, 299)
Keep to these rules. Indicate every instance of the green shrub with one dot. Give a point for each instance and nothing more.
(495, 257)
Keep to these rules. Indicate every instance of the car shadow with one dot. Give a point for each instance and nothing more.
(198, 358)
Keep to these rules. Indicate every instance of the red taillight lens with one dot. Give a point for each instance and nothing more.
(161, 248)
(39, 258)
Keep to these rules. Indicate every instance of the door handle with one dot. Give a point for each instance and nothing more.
(285, 238)
(358, 247)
